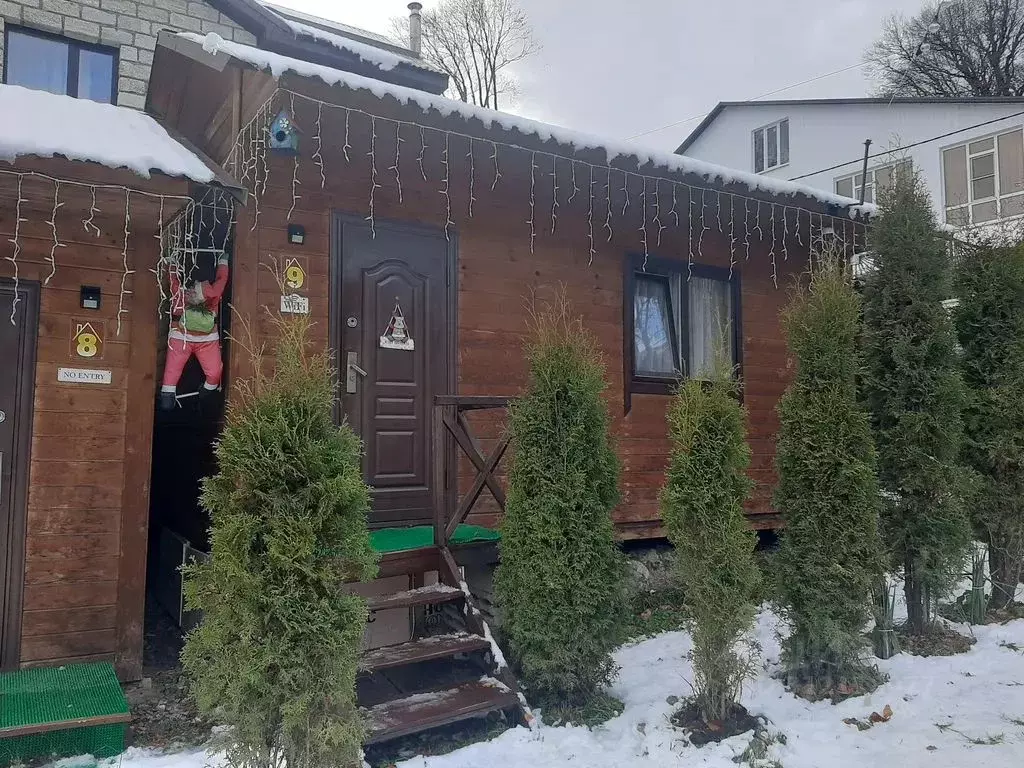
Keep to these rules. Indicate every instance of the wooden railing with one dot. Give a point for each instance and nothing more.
(450, 423)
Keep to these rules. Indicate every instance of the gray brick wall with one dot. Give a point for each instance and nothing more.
(131, 26)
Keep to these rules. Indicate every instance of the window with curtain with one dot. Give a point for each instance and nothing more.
(59, 65)
(684, 322)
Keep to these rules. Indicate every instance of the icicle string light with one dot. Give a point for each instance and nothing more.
(93, 210)
(746, 227)
(703, 225)
(346, 146)
(88, 222)
(533, 198)
(643, 223)
(657, 210)
(771, 253)
(575, 189)
(732, 236)
(718, 212)
(13, 258)
(785, 234)
(757, 222)
(53, 227)
(625, 193)
(497, 171)
(374, 186)
(590, 218)
(159, 271)
(423, 152)
(446, 190)
(608, 200)
(674, 213)
(318, 157)
(689, 234)
(125, 273)
(472, 178)
(396, 168)
(554, 196)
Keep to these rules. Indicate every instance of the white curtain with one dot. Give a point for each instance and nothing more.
(710, 326)
(37, 62)
(652, 322)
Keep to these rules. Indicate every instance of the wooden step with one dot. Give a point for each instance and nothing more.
(409, 563)
(422, 711)
(423, 649)
(435, 594)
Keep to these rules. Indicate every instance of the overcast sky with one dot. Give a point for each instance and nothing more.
(618, 68)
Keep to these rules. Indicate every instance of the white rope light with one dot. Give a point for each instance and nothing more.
(374, 186)
(53, 227)
(13, 258)
(554, 195)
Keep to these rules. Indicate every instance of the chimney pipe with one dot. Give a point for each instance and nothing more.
(415, 28)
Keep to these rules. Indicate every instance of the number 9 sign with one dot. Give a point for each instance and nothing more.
(294, 275)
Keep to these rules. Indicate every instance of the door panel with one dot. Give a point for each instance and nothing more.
(17, 364)
(402, 272)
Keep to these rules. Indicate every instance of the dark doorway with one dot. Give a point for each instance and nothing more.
(392, 327)
(17, 379)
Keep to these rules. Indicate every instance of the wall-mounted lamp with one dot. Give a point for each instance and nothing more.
(89, 297)
(296, 234)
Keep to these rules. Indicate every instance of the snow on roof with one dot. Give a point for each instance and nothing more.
(279, 65)
(346, 30)
(43, 124)
(382, 58)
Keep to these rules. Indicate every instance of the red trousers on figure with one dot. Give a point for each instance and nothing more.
(206, 352)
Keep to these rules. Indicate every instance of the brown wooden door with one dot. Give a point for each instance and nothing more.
(403, 272)
(17, 364)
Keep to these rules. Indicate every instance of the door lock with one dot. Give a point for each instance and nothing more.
(352, 370)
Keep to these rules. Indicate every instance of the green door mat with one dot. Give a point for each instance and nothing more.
(58, 703)
(388, 540)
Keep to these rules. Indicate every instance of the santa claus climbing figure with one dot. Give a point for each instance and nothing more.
(194, 308)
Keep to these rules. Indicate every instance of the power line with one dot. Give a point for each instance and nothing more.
(754, 98)
(908, 146)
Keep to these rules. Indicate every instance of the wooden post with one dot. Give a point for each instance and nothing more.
(141, 402)
(440, 460)
(245, 264)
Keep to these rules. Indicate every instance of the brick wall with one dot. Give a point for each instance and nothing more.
(131, 26)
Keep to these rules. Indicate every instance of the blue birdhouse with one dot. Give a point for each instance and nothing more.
(284, 134)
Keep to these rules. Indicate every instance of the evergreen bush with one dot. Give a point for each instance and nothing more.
(990, 324)
(560, 585)
(914, 393)
(702, 506)
(275, 656)
(831, 554)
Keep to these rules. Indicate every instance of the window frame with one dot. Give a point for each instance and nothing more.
(633, 266)
(779, 153)
(971, 201)
(872, 173)
(75, 48)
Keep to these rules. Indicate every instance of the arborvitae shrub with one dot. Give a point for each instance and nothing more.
(915, 394)
(560, 585)
(702, 506)
(990, 323)
(831, 554)
(275, 657)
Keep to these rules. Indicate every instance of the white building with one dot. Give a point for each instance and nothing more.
(970, 152)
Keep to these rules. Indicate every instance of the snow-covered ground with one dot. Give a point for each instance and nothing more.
(941, 707)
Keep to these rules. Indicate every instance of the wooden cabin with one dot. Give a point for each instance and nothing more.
(459, 215)
(81, 209)
(416, 231)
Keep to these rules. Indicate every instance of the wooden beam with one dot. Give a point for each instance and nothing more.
(63, 725)
(245, 265)
(141, 400)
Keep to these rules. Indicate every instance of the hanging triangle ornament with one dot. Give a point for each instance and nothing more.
(396, 335)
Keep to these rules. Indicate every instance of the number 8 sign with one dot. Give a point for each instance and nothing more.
(87, 339)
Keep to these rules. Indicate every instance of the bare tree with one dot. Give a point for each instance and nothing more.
(474, 42)
(953, 48)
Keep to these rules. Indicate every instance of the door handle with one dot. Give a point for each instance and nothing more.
(352, 370)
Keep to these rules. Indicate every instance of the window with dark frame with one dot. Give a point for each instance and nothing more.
(680, 320)
(46, 62)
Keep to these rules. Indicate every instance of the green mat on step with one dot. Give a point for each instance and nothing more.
(387, 540)
(59, 695)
